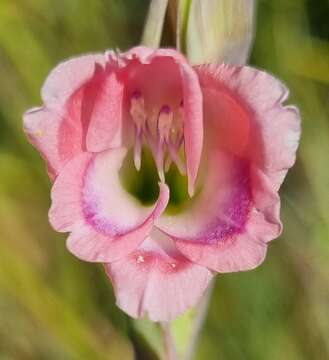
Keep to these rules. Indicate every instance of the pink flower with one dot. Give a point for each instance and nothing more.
(238, 141)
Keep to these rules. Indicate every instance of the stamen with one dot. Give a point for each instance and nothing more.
(162, 132)
(138, 114)
(138, 150)
(164, 125)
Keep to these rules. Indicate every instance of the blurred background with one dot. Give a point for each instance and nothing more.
(53, 306)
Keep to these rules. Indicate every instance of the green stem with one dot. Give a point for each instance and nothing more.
(180, 337)
(199, 320)
(183, 8)
(168, 342)
(154, 23)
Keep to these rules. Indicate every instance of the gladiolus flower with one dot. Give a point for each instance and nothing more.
(224, 127)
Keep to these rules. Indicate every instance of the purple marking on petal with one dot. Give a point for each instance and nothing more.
(236, 215)
(233, 219)
(91, 207)
(96, 220)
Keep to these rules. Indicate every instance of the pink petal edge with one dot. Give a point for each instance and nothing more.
(157, 281)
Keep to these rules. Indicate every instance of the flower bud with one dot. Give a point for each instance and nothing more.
(219, 31)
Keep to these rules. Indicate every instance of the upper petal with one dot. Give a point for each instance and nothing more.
(105, 222)
(165, 77)
(69, 76)
(157, 280)
(104, 106)
(275, 128)
(81, 111)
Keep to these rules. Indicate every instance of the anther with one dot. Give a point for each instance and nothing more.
(137, 109)
(165, 120)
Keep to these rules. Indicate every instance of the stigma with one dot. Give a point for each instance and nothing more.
(161, 130)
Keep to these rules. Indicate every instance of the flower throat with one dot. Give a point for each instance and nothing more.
(160, 130)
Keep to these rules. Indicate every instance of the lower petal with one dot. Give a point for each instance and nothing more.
(157, 280)
(244, 251)
(228, 226)
(88, 200)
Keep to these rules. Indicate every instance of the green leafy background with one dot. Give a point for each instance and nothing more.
(53, 306)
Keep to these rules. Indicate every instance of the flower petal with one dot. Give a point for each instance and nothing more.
(41, 127)
(275, 128)
(104, 220)
(106, 110)
(82, 110)
(69, 76)
(250, 142)
(156, 280)
(234, 235)
(222, 228)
